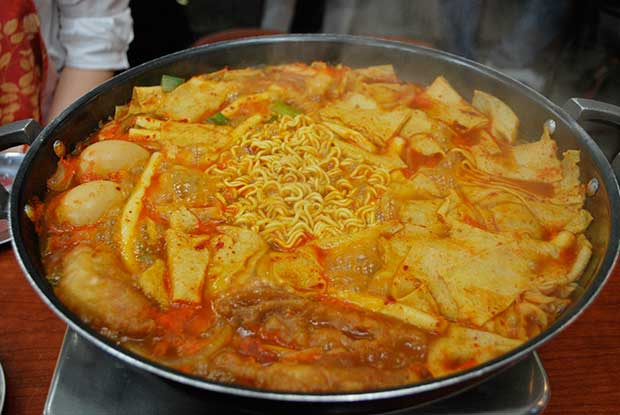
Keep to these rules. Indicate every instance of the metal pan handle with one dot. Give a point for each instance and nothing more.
(11, 135)
(582, 109)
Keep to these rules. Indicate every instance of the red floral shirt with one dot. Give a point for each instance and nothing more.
(23, 62)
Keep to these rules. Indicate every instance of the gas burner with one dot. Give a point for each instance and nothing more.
(90, 381)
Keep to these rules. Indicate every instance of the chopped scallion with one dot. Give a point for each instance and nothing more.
(219, 119)
(169, 82)
(281, 108)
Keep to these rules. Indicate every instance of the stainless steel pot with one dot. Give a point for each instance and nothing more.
(412, 63)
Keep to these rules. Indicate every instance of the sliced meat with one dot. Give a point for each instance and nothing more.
(301, 377)
(309, 344)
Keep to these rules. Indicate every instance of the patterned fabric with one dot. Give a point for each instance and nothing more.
(23, 62)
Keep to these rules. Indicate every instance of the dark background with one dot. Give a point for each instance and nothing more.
(562, 48)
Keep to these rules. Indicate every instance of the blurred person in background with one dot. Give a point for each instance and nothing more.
(54, 51)
(562, 48)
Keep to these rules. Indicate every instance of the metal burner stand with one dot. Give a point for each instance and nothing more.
(90, 381)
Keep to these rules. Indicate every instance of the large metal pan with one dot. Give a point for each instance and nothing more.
(412, 63)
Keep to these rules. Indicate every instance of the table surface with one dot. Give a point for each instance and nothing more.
(582, 362)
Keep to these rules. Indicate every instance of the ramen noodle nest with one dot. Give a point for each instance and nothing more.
(314, 228)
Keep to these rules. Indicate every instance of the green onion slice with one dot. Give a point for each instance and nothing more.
(219, 119)
(281, 108)
(169, 82)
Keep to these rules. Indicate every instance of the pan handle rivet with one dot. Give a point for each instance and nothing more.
(592, 187)
(550, 124)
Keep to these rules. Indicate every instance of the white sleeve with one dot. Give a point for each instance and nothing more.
(95, 33)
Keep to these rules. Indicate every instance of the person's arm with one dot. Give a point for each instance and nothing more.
(72, 84)
(92, 41)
